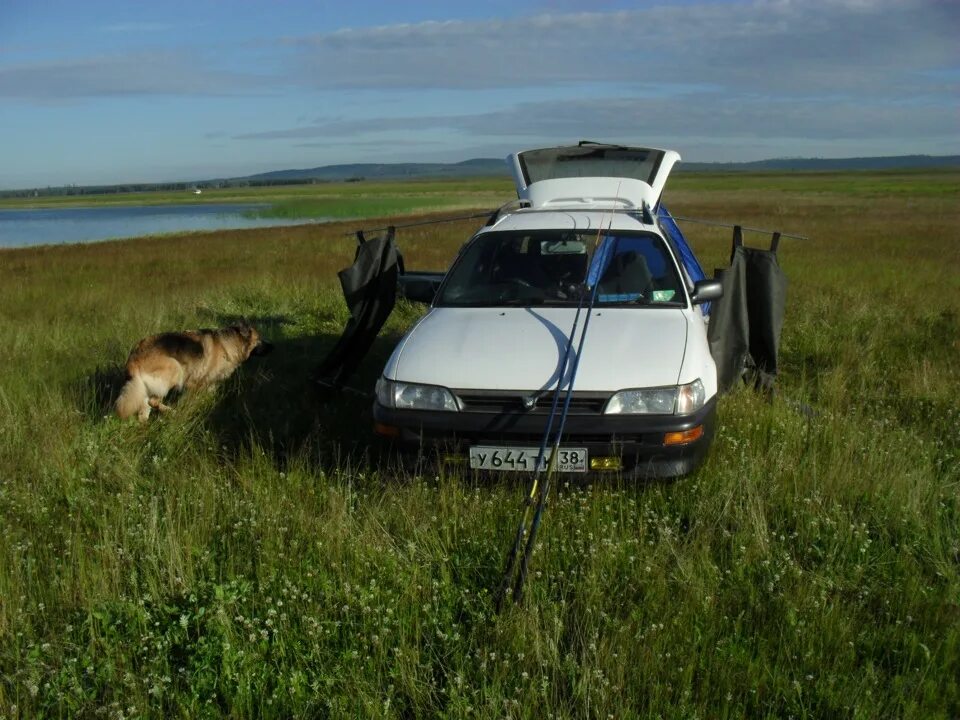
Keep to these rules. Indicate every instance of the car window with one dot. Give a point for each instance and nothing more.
(558, 267)
(634, 268)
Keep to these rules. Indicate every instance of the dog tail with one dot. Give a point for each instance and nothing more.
(133, 397)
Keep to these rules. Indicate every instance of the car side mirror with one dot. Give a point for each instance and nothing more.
(705, 291)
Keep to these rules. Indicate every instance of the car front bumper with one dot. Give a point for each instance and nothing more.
(638, 440)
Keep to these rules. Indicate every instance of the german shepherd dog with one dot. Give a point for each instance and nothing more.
(178, 360)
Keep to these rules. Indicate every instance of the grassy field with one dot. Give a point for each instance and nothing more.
(370, 199)
(254, 555)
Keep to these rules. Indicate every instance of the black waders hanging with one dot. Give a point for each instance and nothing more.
(745, 324)
(370, 288)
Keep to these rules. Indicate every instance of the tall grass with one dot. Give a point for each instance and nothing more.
(255, 554)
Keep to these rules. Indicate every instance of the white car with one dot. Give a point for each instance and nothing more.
(477, 374)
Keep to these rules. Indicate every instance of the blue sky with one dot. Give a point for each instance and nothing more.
(102, 92)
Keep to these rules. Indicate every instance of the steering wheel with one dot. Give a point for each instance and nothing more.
(518, 289)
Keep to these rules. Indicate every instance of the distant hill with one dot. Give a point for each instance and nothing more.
(492, 167)
(898, 162)
(387, 171)
(485, 167)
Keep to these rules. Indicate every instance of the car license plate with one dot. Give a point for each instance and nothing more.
(524, 459)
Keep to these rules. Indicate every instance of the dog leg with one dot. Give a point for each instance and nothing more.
(157, 404)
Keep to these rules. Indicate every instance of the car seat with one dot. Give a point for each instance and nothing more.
(627, 274)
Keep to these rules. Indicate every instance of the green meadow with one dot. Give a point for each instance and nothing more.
(256, 554)
(327, 200)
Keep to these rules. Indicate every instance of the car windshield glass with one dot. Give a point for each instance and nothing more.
(557, 267)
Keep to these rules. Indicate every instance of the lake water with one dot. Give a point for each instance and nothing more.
(45, 226)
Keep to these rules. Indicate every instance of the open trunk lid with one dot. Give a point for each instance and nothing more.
(592, 173)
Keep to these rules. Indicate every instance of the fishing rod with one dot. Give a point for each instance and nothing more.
(522, 528)
(552, 463)
(555, 452)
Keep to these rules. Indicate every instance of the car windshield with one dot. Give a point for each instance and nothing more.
(558, 267)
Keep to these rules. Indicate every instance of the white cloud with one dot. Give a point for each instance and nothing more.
(775, 48)
(645, 117)
(771, 47)
(137, 26)
(788, 73)
(146, 73)
(781, 76)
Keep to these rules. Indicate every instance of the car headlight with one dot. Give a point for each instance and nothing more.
(411, 396)
(690, 397)
(679, 400)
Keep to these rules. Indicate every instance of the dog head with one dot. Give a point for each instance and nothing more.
(253, 344)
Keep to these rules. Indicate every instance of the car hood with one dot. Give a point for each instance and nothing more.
(523, 348)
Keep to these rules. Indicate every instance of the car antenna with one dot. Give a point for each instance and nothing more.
(438, 221)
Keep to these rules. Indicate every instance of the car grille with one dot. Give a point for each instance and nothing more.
(512, 402)
(492, 437)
